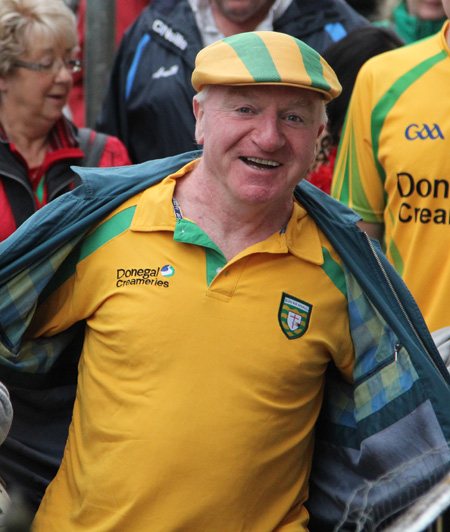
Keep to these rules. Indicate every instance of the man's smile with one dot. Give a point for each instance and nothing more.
(256, 162)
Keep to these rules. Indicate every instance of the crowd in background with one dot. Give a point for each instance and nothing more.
(393, 23)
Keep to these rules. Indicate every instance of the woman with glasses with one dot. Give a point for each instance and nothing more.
(38, 145)
(38, 43)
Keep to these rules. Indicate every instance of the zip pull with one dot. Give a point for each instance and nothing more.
(396, 351)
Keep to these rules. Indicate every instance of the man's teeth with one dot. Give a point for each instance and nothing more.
(265, 162)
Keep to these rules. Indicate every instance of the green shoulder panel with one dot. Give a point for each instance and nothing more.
(100, 236)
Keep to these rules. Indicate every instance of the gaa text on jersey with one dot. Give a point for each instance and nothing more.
(423, 131)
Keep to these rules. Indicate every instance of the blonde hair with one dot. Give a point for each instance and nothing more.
(21, 21)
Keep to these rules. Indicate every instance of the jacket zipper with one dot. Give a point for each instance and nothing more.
(397, 346)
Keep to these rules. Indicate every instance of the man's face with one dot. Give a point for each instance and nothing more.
(259, 141)
(243, 11)
(427, 9)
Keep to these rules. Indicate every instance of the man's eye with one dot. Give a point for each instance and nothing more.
(244, 110)
(294, 118)
(47, 65)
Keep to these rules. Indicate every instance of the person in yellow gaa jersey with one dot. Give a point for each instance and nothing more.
(392, 165)
(214, 298)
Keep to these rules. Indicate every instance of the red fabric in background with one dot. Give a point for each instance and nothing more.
(126, 13)
(323, 175)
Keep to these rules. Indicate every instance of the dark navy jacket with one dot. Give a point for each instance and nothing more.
(148, 104)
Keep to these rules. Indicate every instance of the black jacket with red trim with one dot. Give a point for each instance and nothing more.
(17, 198)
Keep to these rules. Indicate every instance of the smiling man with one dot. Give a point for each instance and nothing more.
(194, 409)
(213, 303)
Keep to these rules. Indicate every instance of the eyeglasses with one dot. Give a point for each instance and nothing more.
(72, 65)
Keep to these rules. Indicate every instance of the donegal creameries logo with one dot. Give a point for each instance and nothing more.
(293, 316)
(144, 276)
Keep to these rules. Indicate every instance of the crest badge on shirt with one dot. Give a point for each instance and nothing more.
(293, 316)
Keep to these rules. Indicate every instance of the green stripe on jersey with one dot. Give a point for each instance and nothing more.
(341, 182)
(256, 57)
(394, 252)
(107, 231)
(103, 234)
(356, 192)
(334, 271)
(390, 98)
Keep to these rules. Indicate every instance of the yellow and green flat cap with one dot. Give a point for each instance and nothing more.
(264, 57)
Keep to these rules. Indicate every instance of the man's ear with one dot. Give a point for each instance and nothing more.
(321, 128)
(198, 113)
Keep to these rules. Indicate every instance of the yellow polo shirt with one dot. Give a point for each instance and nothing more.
(200, 380)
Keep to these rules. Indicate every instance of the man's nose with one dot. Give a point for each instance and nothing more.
(268, 134)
